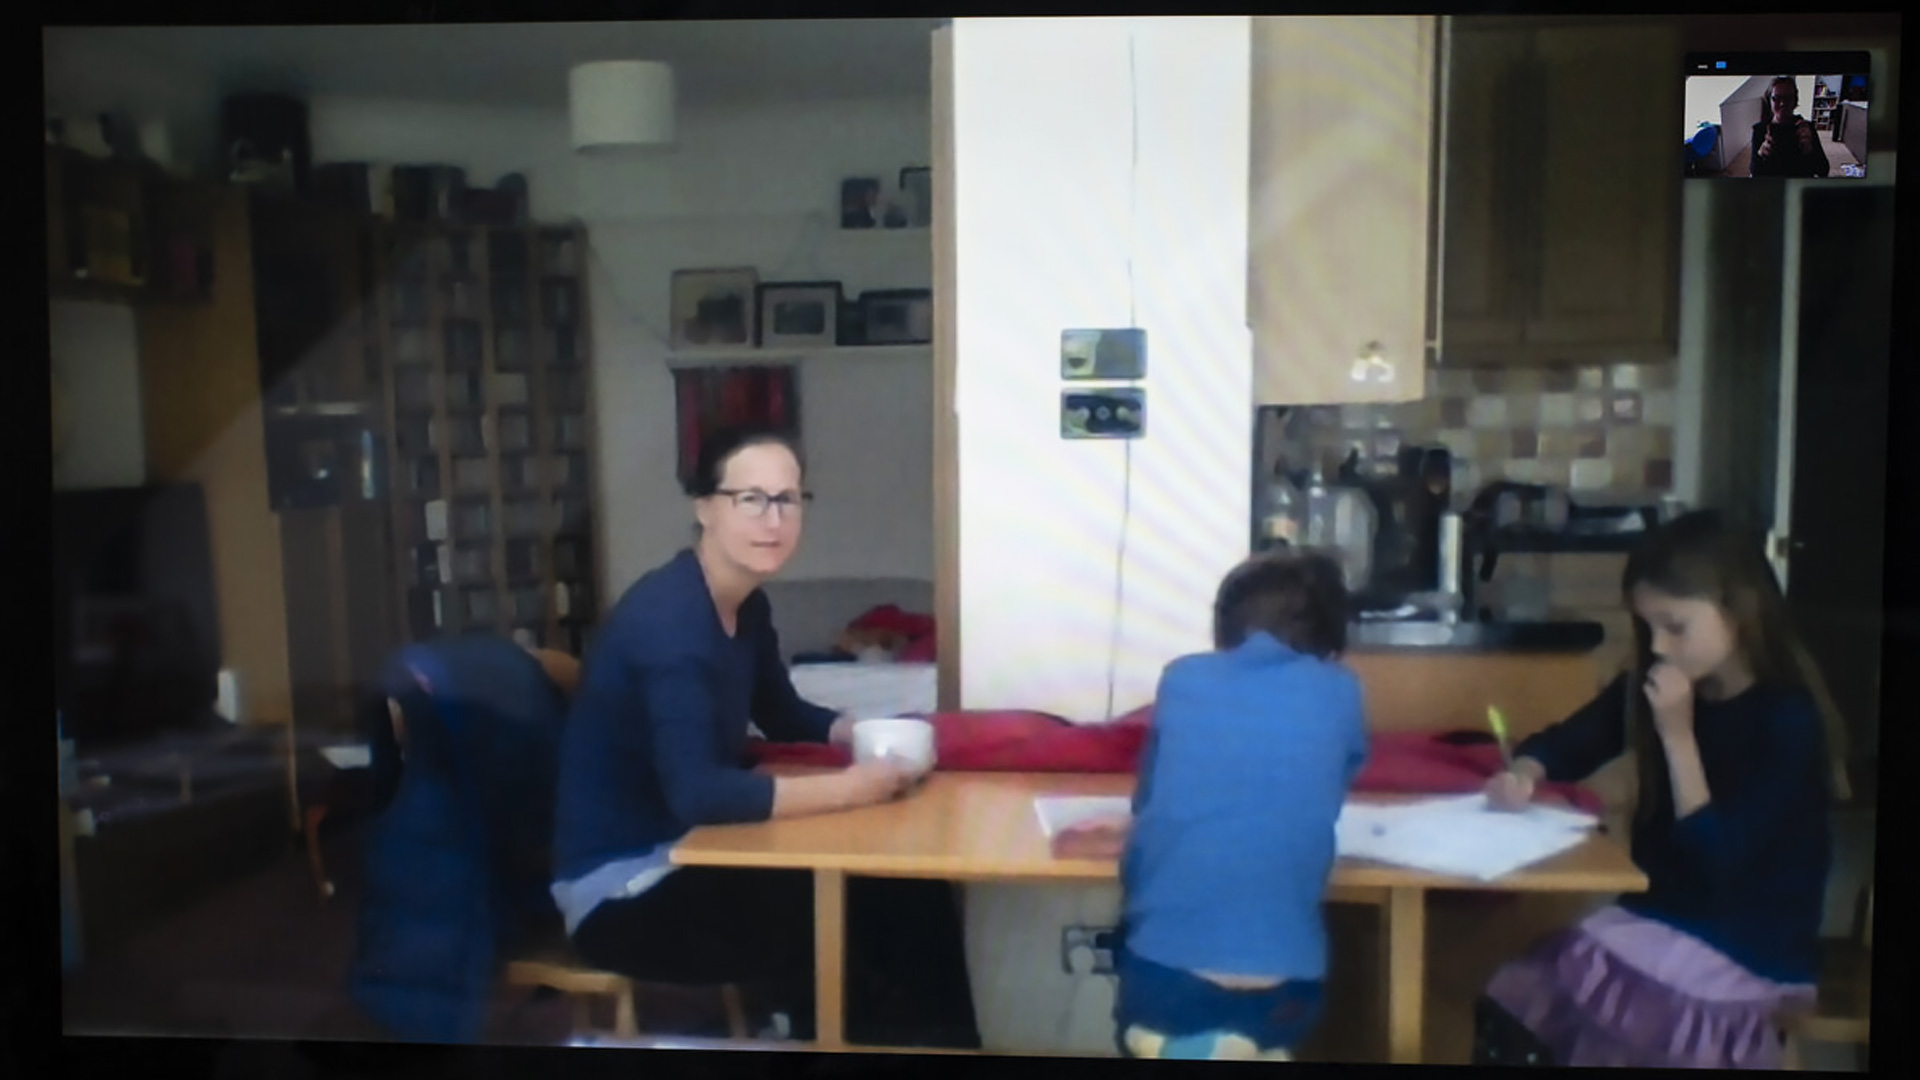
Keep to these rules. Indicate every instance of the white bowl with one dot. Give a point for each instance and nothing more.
(904, 739)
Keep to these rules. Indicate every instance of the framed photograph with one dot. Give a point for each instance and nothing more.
(897, 316)
(799, 314)
(714, 309)
(916, 191)
(860, 203)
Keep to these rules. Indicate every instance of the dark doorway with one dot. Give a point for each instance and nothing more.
(1838, 517)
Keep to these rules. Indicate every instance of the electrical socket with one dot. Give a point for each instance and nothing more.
(1087, 950)
(1111, 413)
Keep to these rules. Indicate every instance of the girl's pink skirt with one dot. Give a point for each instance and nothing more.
(1622, 990)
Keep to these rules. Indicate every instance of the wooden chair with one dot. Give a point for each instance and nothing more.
(1842, 1013)
(552, 965)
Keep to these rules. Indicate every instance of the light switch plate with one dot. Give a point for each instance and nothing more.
(1103, 354)
(1107, 413)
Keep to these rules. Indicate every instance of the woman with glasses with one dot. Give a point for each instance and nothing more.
(655, 745)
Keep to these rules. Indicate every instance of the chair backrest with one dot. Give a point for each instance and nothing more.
(457, 866)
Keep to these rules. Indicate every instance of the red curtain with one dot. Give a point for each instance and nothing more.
(709, 399)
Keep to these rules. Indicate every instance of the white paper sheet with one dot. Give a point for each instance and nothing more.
(1459, 837)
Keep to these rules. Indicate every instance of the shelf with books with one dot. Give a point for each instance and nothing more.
(489, 417)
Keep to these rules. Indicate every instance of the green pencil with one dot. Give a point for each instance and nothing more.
(1499, 725)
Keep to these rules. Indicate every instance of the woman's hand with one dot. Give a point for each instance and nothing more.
(562, 668)
(878, 781)
(1806, 137)
(841, 733)
(1766, 146)
(1670, 694)
(1513, 788)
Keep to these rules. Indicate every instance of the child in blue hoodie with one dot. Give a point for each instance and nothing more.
(1252, 751)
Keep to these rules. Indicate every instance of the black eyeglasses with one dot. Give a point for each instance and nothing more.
(754, 503)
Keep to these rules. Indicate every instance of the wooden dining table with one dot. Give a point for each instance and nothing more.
(982, 827)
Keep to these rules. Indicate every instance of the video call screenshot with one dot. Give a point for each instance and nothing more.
(612, 545)
(1796, 115)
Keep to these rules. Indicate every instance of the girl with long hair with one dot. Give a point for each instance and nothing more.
(1738, 751)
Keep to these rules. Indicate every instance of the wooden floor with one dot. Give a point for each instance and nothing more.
(266, 958)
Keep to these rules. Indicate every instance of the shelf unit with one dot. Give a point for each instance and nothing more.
(481, 338)
(124, 232)
(706, 358)
(1824, 102)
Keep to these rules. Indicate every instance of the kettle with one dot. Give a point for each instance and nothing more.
(1341, 520)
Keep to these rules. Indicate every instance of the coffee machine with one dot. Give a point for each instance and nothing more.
(1383, 524)
(1409, 502)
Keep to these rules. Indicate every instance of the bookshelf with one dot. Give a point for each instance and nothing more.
(481, 334)
(1824, 102)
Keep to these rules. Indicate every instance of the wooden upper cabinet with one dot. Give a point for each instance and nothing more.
(1341, 215)
(1561, 232)
(1484, 284)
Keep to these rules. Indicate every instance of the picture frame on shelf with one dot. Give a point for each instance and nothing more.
(798, 314)
(916, 192)
(896, 316)
(860, 203)
(713, 308)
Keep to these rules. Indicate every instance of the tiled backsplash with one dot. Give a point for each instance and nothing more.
(1599, 431)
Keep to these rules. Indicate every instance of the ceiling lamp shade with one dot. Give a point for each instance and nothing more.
(621, 105)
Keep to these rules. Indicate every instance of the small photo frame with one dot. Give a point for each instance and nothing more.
(897, 316)
(860, 203)
(714, 309)
(916, 191)
(799, 314)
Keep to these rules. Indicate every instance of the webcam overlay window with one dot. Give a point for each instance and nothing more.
(1796, 115)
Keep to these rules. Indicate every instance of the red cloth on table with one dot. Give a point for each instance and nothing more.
(1011, 740)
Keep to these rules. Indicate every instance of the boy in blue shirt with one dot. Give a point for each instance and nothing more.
(1252, 750)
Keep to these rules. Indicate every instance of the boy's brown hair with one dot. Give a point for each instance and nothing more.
(1298, 597)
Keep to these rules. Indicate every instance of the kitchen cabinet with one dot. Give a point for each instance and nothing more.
(1341, 184)
(1430, 690)
(1561, 231)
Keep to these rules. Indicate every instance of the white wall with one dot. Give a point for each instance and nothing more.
(96, 368)
(83, 78)
(1057, 230)
(1050, 215)
(1704, 95)
(755, 187)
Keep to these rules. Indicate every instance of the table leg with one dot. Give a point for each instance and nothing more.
(1406, 973)
(829, 958)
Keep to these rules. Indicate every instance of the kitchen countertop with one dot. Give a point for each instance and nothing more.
(1425, 636)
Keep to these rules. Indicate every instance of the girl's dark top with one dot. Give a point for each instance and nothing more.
(1747, 872)
(1786, 159)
